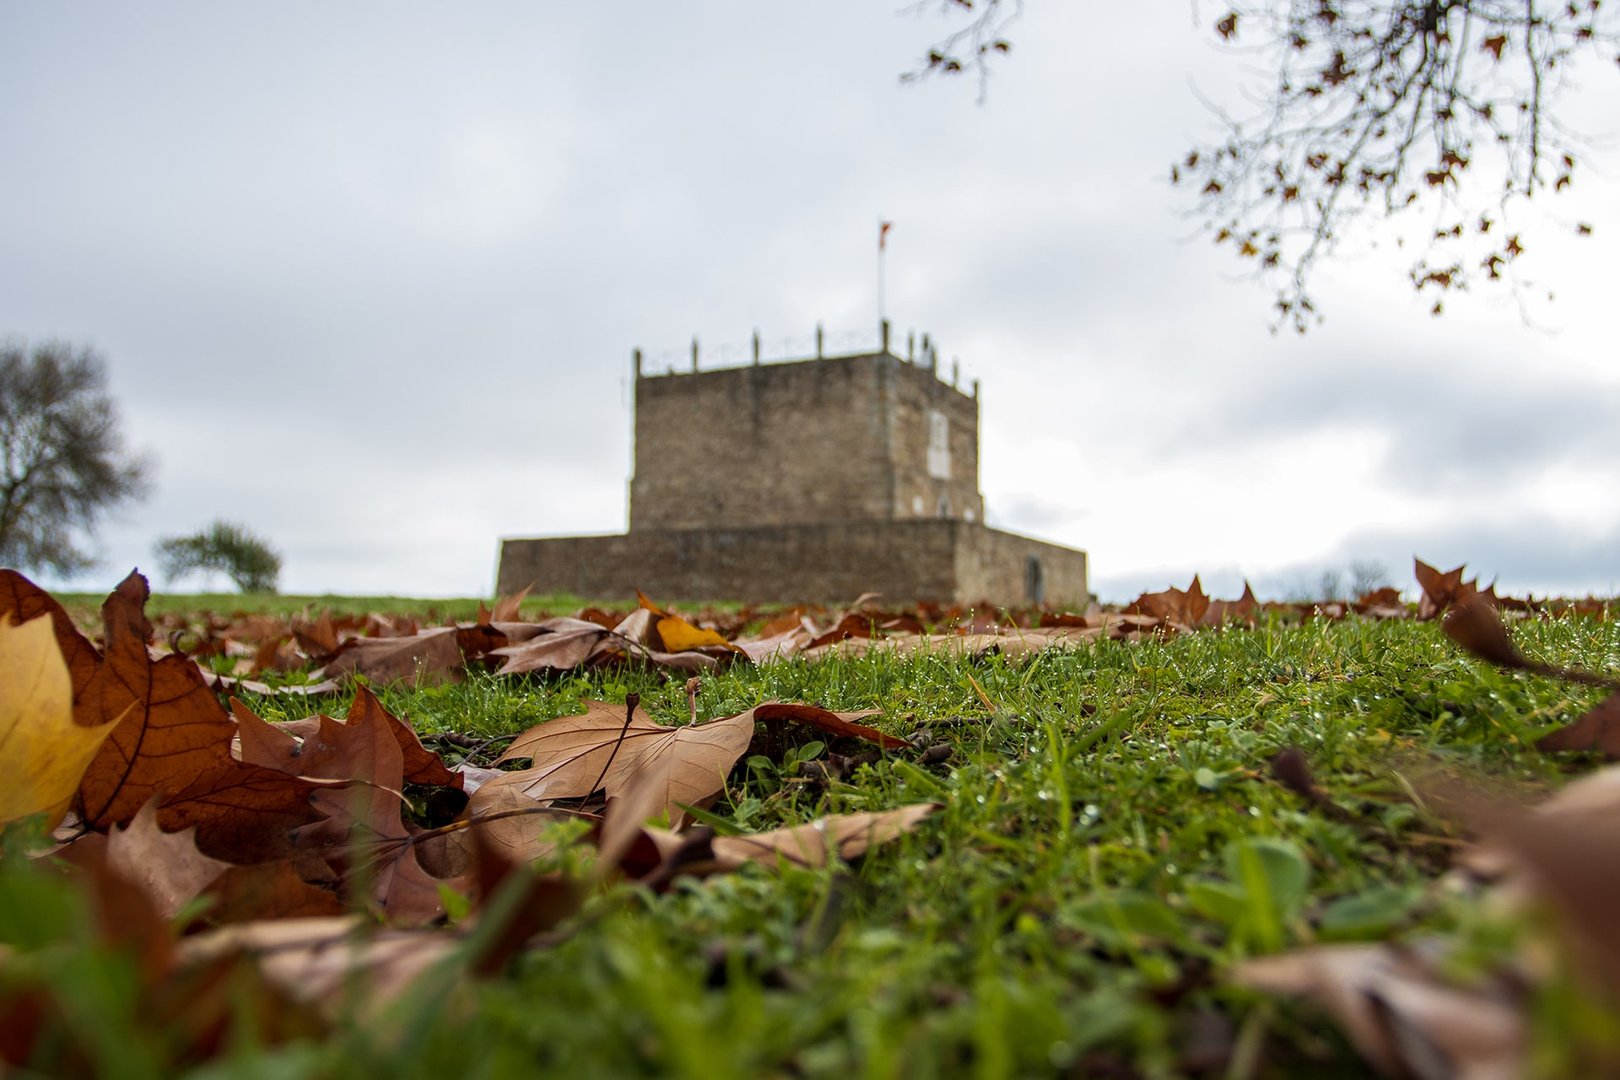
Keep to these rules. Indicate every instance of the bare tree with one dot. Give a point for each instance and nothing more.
(63, 462)
(1367, 575)
(1380, 107)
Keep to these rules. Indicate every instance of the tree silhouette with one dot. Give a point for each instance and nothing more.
(251, 563)
(63, 462)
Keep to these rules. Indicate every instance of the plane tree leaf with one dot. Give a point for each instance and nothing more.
(43, 753)
(167, 865)
(172, 741)
(22, 600)
(605, 747)
(813, 844)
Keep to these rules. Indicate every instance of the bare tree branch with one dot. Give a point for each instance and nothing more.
(62, 459)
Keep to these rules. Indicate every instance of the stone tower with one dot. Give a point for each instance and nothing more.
(810, 479)
(852, 438)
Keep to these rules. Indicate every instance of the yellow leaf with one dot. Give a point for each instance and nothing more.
(43, 753)
(680, 635)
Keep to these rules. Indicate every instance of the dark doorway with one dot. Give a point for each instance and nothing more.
(1034, 580)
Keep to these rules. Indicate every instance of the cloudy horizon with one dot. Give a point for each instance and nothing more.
(368, 281)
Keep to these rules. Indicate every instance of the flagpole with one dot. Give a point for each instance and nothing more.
(883, 237)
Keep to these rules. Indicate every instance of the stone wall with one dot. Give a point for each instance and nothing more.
(904, 560)
(1007, 568)
(807, 442)
(917, 402)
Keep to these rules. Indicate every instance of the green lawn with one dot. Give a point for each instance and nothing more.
(1069, 911)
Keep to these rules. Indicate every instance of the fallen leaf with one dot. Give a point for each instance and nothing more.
(1400, 1012)
(509, 608)
(363, 835)
(844, 836)
(840, 724)
(174, 741)
(167, 865)
(21, 600)
(563, 645)
(1597, 729)
(335, 964)
(1185, 608)
(678, 635)
(511, 825)
(428, 656)
(420, 765)
(1474, 624)
(1245, 609)
(272, 890)
(603, 748)
(43, 753)
(1440, 591)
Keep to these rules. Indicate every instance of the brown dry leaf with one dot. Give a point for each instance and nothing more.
(1440, 591)
(1571, 848)
(279, 746)
(266, 744)
(842, 835)
(1397, 1008)
(363, 835)
(840, 724)
(785, 623)
(422, 658)
(175, 742)
(167, 866)
(645, 797)
(318, 639)
(574, 756)
(1182, 607)
(509, 608)
(510, 824)
(1245, 609)
(1384, 603)
(273, 890)
(421, 765)
(773, 647)
(855, 624)
(562, 645)
(333, 964)
(521, 902)
(1596, 729)
(1474, 624)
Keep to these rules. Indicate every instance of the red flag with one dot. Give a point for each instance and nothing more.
(883, 234)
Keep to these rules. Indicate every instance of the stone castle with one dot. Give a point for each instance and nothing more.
(813, 479)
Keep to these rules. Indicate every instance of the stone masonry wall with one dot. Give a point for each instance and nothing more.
(807, 442)
(904, 560)
(916, 397)
(997, 566)
(760, 445)
(771, 563)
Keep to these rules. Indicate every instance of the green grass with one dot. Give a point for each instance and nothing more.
(1111, 843)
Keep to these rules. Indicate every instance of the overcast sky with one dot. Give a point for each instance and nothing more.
(368, 277)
